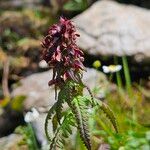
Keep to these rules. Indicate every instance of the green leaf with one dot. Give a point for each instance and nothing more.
(63, 131)
(79, 110)
(48, 117)
(55, 123)
(108, 113)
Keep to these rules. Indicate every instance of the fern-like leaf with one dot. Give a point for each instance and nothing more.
(63, 131)
(90, 93)
(55, 122)
(48, 117)
(109, 113)
(57, 108)
(79, 110)
(59, 105)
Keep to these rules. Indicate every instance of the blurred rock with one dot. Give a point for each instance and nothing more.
(11, 142)
(39, 94)
(109, 28)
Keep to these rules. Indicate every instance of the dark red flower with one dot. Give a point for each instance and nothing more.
(61, 52)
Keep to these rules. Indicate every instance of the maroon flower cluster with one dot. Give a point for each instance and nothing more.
(61, 52)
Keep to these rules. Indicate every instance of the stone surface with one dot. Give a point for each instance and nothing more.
(11, 142)
(39, 94)
(110, 28)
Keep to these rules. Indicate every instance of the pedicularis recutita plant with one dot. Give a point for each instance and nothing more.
(66, 60)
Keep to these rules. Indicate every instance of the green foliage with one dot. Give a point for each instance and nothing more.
(76, 5)
(48, 117)
(63, 131)
(79, 108)
(129, 140)
(110, 115)
(75, 115)
(28, 136)
(15, 103)
(133, 133)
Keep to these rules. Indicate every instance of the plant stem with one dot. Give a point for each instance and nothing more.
(118, 76)
(126, 74)
(128, 85)
(34, 145)
(105, 128)
(110, 77)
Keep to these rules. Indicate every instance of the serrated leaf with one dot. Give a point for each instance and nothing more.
(110, 115)
(54, 122)
(48, 117)
(63, 131)
(82, 122)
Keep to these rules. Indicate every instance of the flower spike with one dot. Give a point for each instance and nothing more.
(61, 52)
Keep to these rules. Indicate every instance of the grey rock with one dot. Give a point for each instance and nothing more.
(35, 87)
(39, 94)
(110, 28)
(11, 142)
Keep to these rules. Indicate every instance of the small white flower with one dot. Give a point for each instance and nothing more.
(43, 64)
(31, 115)
(111, 68)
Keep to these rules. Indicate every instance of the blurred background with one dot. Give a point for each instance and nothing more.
(115, 37)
